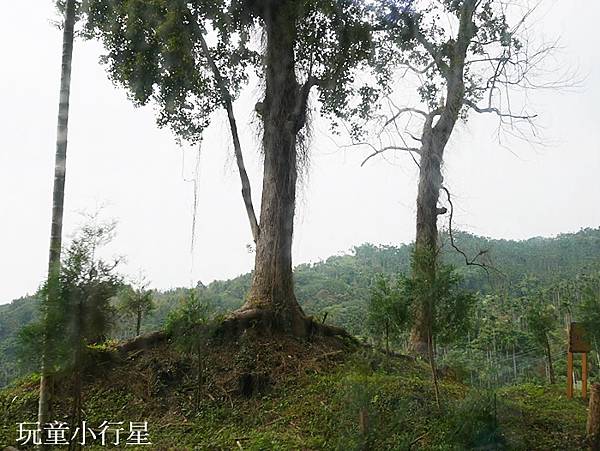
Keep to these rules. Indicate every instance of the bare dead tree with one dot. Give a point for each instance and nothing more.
(463, 57)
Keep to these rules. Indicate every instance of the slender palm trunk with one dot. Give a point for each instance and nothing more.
(58, 194)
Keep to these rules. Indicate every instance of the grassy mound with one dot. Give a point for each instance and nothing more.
(284, 393)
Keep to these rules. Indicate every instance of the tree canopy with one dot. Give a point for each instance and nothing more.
(154, 49)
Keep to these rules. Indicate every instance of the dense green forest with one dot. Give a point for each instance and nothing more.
(561, 269)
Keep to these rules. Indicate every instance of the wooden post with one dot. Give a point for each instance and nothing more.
(593, 422)
(570, 375)
(584, 375)
(363, 421)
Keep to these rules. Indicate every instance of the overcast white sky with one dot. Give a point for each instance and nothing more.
(118, 158)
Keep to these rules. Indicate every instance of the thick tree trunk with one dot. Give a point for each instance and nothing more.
(426, 243)
(58, 193)
(434, 139)
(272, 290)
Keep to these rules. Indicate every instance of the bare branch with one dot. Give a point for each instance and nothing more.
(468, 262)
(498, 112)
(416, 70)
(473, 261)
(386, 148)
(402, 111)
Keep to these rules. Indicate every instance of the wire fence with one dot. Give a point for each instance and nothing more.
(490, 370)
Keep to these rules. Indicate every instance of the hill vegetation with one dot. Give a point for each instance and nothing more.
(338, 290)
(316, 394)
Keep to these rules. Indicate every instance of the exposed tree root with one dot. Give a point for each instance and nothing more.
(257, 347)
(267, 322)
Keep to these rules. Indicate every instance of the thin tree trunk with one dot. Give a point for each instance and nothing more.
(77, 403)
(239, 158)
(76, 376)
(199, 376)
(138, 322)
(469, 343)
(272, 288)
(434, 377)
(387, 338)
(514, 357)
(58, 196)
(550, 367)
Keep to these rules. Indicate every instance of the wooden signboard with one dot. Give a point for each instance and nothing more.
(579, 343)
(578, 339)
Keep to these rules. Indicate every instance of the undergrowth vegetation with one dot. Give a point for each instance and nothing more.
(317, 394)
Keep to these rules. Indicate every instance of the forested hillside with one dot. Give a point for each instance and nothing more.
(340, 286)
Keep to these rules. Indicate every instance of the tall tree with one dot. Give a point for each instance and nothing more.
(58, 195)
(159, 50)
(471, 64)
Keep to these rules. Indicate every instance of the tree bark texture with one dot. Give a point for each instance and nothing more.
(272, 285)
(58, 193)
(426, 243)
